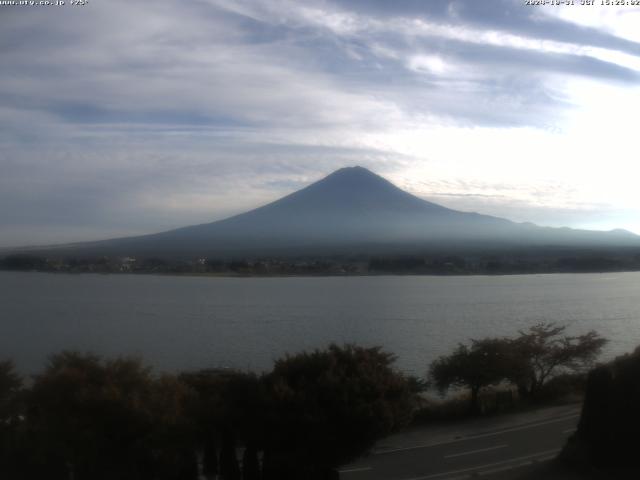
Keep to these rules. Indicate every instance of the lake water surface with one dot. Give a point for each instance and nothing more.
(178, 323)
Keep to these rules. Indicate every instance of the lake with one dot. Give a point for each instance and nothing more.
(177, 323)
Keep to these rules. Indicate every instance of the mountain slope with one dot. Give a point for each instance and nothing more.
(350, 211)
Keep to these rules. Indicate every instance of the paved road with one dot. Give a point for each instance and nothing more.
(478, 451)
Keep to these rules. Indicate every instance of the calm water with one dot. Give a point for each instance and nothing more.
(194, 322)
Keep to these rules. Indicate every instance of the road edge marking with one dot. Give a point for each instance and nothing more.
(471, 452)
(480, 435)
(515, 460)
(353, 470)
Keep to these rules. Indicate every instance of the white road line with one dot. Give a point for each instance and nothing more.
(481, 435)
(480, 450)
(512, 466)
(479, 468)
(353, 470)
(569, 430)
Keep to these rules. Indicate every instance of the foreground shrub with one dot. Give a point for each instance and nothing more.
(89, 418)
(94, 419)
(608, 430)
(568, 387)
(328, 407)
(228, 410)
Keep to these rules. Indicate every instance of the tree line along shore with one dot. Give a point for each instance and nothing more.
(88, 417)
(483, 263)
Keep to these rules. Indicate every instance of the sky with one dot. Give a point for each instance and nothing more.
(128, 117)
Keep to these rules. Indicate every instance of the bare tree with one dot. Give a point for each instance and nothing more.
(543, 352)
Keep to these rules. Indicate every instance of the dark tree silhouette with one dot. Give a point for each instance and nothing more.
(330, 406)
(10, 385)
(483, 363)
(209, 455)
(229, 406)
(543, 352)
(250, 464)
(229, 468)
(10, 419)
(111, 419)
(528, 361)
(23, 261)
(608, 429)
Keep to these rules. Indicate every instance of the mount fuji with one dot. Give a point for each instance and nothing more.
(352, 210)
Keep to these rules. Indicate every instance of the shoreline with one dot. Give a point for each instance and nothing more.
(324, 275)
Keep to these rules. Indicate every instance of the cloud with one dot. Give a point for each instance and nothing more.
(128, 117)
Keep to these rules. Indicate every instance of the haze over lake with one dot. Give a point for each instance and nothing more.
(177, 323)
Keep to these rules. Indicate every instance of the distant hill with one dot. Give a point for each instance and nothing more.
(351, 211)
